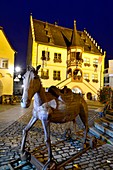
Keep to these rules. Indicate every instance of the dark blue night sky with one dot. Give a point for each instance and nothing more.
(96, 16)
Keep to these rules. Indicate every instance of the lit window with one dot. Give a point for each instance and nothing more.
(106, 79)
(57, 58)
(72, 56)
(44, 73)
(95, 78)
(4, 63)
(95, 62)
(86, 77)
(86, 61)
(56, 75)
(45, 55)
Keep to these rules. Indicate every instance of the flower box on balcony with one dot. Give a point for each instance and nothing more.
(87, 80)
(54, 78)
(44, 77)
(95, 65)
(95, 80)
(57, 60)
(87, 64)
(45, 58)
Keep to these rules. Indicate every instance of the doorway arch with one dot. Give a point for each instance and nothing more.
(77, 90)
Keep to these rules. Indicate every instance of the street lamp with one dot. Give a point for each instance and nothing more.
(17, 80)
(17, 69)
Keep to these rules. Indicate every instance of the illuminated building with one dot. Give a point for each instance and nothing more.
(67, 57)
(6, 66)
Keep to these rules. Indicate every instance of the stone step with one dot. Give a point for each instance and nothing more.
(103, 127)
(109, 112)
(109, 116)
(100, 135)
(107, 122)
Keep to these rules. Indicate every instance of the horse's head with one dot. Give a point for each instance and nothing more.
(31, 83)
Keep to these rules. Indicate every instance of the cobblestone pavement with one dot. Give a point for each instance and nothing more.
(100, 158)
(9, 114)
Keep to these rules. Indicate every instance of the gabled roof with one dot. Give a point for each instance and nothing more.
(59, 35)
(1, 28)
(53, 34)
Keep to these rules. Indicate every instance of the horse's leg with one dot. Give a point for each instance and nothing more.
(25, 131)
(46, 126)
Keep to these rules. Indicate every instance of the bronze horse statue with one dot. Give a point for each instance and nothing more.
(50, 108)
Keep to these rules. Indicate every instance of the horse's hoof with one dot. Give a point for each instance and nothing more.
(68, 134)
(93, 142)
(51, 165)
(25, 156)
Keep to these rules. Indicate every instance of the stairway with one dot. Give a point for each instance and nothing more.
(103, 128)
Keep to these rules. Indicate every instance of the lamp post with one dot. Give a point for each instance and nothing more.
(17, 74)
(17, 81)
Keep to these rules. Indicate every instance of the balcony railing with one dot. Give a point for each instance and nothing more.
(75, 63)
(95, 65)
(77, 78)
(87, 64)
(57, 60)
(45, 58)
(56, 78)
(95, 80)
(87, 80)
(44, 77)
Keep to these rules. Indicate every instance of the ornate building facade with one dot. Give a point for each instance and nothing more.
(7, 54)
(68, 57)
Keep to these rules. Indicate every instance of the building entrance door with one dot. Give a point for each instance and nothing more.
(77, 90)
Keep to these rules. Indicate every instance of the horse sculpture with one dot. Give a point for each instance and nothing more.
(50, 108)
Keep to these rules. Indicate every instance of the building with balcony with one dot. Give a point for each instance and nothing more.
(7, 54)
(68, 57)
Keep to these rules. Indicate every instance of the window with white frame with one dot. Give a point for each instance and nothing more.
(95, 78)
(86, 76)
(3, 63)
(86, 61)
(95, 62)
(56, 75)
